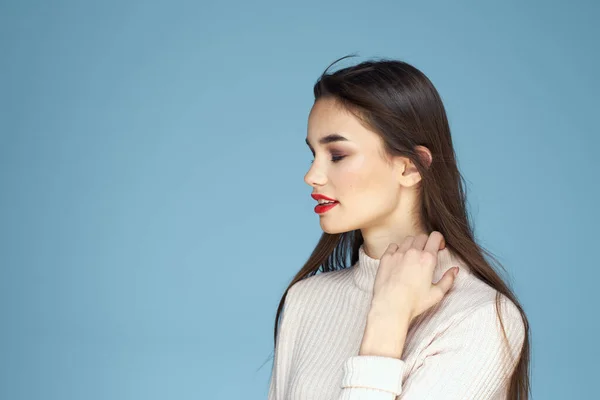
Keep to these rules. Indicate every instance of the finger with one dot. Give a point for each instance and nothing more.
(420, 241)
(434, 242)
(445, 283)
(391, 249)
(406, 244)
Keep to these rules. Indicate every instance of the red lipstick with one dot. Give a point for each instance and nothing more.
(322, 208)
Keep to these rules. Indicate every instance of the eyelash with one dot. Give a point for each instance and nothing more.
(334, 159)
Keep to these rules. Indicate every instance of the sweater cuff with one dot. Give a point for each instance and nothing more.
(374, 372)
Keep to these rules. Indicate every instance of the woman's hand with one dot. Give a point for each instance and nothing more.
(403, 284)
(403, 290)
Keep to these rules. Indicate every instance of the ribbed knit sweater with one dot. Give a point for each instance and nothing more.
(455, 350)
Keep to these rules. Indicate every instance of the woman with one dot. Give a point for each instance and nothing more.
(398, 321)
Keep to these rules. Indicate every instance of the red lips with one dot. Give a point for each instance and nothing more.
(321, 208)
(318, 196)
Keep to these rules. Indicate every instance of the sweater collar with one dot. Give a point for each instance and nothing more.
(365, 269)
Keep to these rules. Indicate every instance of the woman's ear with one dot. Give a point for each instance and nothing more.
(425, 155)
(407, 172)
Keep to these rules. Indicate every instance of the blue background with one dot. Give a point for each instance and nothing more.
(152, 202)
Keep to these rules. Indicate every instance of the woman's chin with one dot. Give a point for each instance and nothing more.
(332, 229)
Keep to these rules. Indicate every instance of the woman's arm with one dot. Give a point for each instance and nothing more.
(469, 360)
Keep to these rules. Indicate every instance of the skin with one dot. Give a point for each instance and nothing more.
(377, 196)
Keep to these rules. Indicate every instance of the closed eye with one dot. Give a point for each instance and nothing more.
(333, 159)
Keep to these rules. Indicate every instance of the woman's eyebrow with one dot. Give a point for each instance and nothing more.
(333, 137)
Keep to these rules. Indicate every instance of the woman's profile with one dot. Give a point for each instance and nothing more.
(377, 312)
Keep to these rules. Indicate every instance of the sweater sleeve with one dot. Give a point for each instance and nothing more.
(283, 350)
(468, 360)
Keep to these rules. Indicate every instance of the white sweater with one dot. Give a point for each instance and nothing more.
(454, 350)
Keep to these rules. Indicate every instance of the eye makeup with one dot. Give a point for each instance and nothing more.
(335, 157)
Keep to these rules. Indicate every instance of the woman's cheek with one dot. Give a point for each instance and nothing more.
(354, 173)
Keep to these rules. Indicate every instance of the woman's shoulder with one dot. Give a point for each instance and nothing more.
(474, 292)
(472, 302)
(319, 282)
(320, 279)
(474, 306)
(313, 292)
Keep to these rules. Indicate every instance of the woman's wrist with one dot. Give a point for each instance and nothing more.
(385, 332)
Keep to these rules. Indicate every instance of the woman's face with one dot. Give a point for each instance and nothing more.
(352, 171)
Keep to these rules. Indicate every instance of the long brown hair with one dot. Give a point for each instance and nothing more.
(397, 101)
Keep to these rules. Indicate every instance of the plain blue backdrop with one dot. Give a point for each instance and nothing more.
(152, 202)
